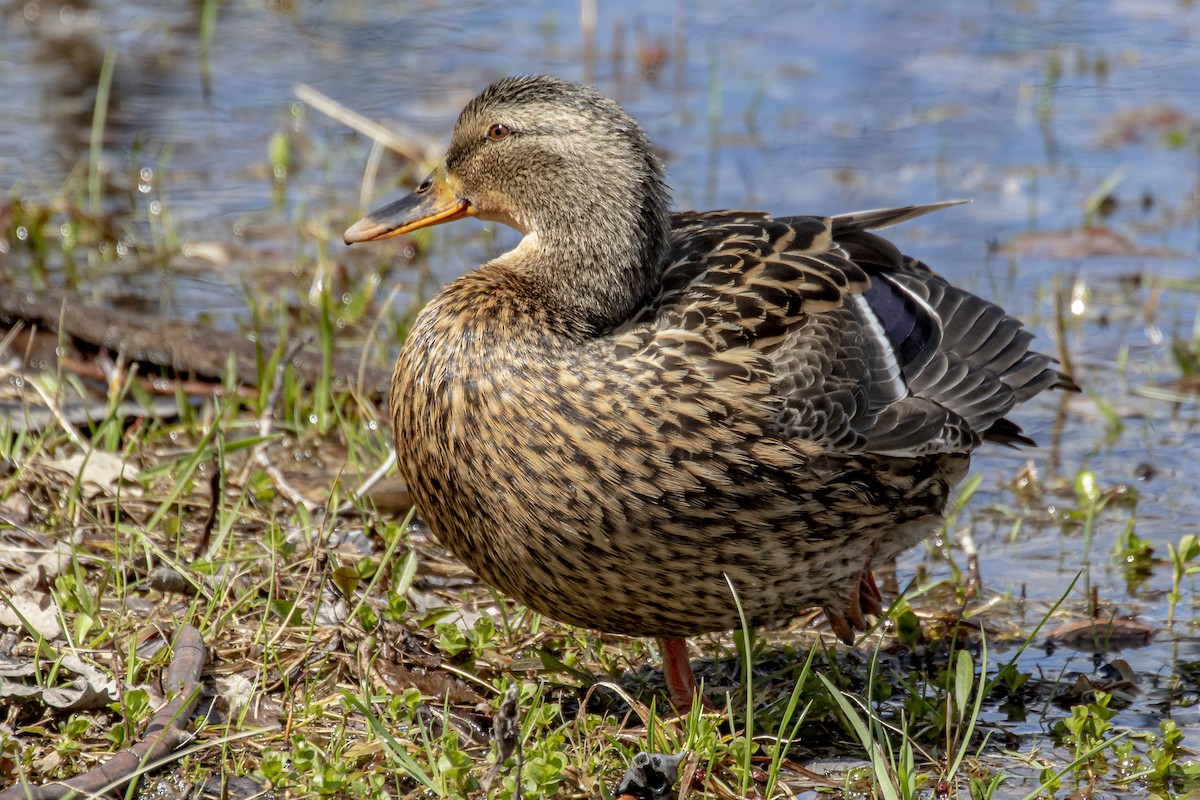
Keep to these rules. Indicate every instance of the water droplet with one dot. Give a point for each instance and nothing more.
(1079, 294)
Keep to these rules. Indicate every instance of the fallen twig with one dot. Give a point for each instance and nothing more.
(421, 150)
(171, 344)
(165, 733)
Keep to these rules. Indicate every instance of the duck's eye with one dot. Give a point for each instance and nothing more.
(497, 131)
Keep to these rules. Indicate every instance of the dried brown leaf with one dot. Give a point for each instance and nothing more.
(1101, 634)
(97, 471)
(396, 677)
(89, 688)
(35, 612)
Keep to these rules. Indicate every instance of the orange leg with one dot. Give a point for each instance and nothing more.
(863, 598)
(677, 669)
(868, 591)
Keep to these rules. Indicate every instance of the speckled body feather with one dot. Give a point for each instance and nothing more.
(614, 483)
(630, 411)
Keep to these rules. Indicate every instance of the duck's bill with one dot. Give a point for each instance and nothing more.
(432, 204)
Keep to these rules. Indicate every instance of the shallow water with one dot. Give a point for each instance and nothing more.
(1026, 107)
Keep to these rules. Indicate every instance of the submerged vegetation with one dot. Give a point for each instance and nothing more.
(349, 656)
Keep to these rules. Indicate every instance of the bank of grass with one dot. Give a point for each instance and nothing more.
(351, 657)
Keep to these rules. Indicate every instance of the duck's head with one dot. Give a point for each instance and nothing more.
(559, 162)
(532, 152)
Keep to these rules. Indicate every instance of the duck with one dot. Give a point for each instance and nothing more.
(663, 424)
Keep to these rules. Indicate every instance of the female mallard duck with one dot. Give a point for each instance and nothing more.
(634, 414)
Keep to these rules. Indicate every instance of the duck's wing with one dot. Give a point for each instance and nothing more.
(955, 349)
(865, 350)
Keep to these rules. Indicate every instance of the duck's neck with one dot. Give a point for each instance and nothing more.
(594, 270)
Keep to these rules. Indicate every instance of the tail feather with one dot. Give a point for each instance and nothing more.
(879, 218)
